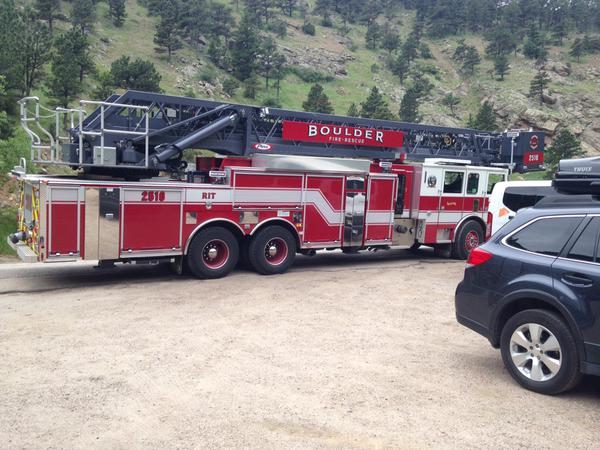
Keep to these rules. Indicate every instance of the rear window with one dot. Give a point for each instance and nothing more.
(545, 236)
(518, 197)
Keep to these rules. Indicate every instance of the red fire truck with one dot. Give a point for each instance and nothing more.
(281, 182)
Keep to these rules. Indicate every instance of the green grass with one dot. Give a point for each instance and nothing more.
(8, 223)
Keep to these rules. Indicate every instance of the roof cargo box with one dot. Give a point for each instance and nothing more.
(578, 176)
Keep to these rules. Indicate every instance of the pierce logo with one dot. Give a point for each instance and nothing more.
(262, 146)
(340, 134)
(534, 142)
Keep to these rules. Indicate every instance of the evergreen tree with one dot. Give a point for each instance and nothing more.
(317, 101)
(245, 47)
(501, 41)
(577, 49)
(81, 52)
(390, 41)
(535, 45)
(35, 54)
(217, 52)
(451, 101)
(83, 14)
(410, 48)
(279, 70)
(564, 146)
(64, 83)
(409, 105)
(401, 67)
(373, 36)
(471, 61)
(501, 66)
(116, 11)
(167, 31)
(47, 10)
(538, 84)
(230, 85)
(266, 60)
(139, 74)
(353, 111)
(11, 46)
(375, 106)
(251, 85)
(485, 119)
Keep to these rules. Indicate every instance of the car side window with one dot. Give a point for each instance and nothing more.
(453, 182)
(584, 248)
(545, 236)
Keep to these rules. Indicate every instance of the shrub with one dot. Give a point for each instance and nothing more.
(309, 28)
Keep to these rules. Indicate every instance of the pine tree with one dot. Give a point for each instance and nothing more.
(83, 14)
(535, 45)
(139, 74)
(11, 46)
(577, 49)
(279, 70)
(564, 146)
(451, 101)
(64, 83)
(353, 111)
(35, 54)
(538, 84)
(317, 101)
(485, 119)
(409, 105)
(266, 60)
(390, 41)
(410, 48)
(230, 85)
(47, 10)
(116, 11)
(251, 85)
(401, 67)
(167, 33)
(471, 61)
(375, 106)
(373, 36)
(245, 47)
(81, 52)
(501, 66)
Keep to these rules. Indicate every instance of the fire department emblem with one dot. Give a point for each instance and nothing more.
(534, 142)
(432, 181)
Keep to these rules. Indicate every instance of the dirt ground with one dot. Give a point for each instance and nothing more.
(340, 352)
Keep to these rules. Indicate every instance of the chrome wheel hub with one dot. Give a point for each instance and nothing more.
(535, 352)
(212, 253)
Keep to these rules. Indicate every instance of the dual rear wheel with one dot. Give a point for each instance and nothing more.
(215, 251)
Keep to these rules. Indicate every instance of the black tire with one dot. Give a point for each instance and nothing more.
(203, 265)
(567, 375)
(258, 250)
(469, 236)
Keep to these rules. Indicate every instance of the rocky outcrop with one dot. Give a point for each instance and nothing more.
(319, 59)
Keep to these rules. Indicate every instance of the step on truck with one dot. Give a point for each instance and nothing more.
(274, 183)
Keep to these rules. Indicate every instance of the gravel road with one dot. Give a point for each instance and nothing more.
(358, 351)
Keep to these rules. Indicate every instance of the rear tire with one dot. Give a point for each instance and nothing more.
(272, 250)
(469, 236)
(540, 352)
(213, 253)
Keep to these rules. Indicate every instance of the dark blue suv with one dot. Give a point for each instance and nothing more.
(534, 291)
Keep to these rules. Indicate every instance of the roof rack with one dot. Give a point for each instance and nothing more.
(578, 176)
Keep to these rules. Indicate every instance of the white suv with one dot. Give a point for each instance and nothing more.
(508, 197)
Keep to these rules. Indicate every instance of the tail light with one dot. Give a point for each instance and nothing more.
(488, 228)
(478, 256)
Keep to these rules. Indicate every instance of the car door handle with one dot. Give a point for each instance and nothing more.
(577, 280)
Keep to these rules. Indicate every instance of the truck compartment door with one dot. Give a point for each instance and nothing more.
(102, 214)
(64, 218)
(380, 210)
(323, 201)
